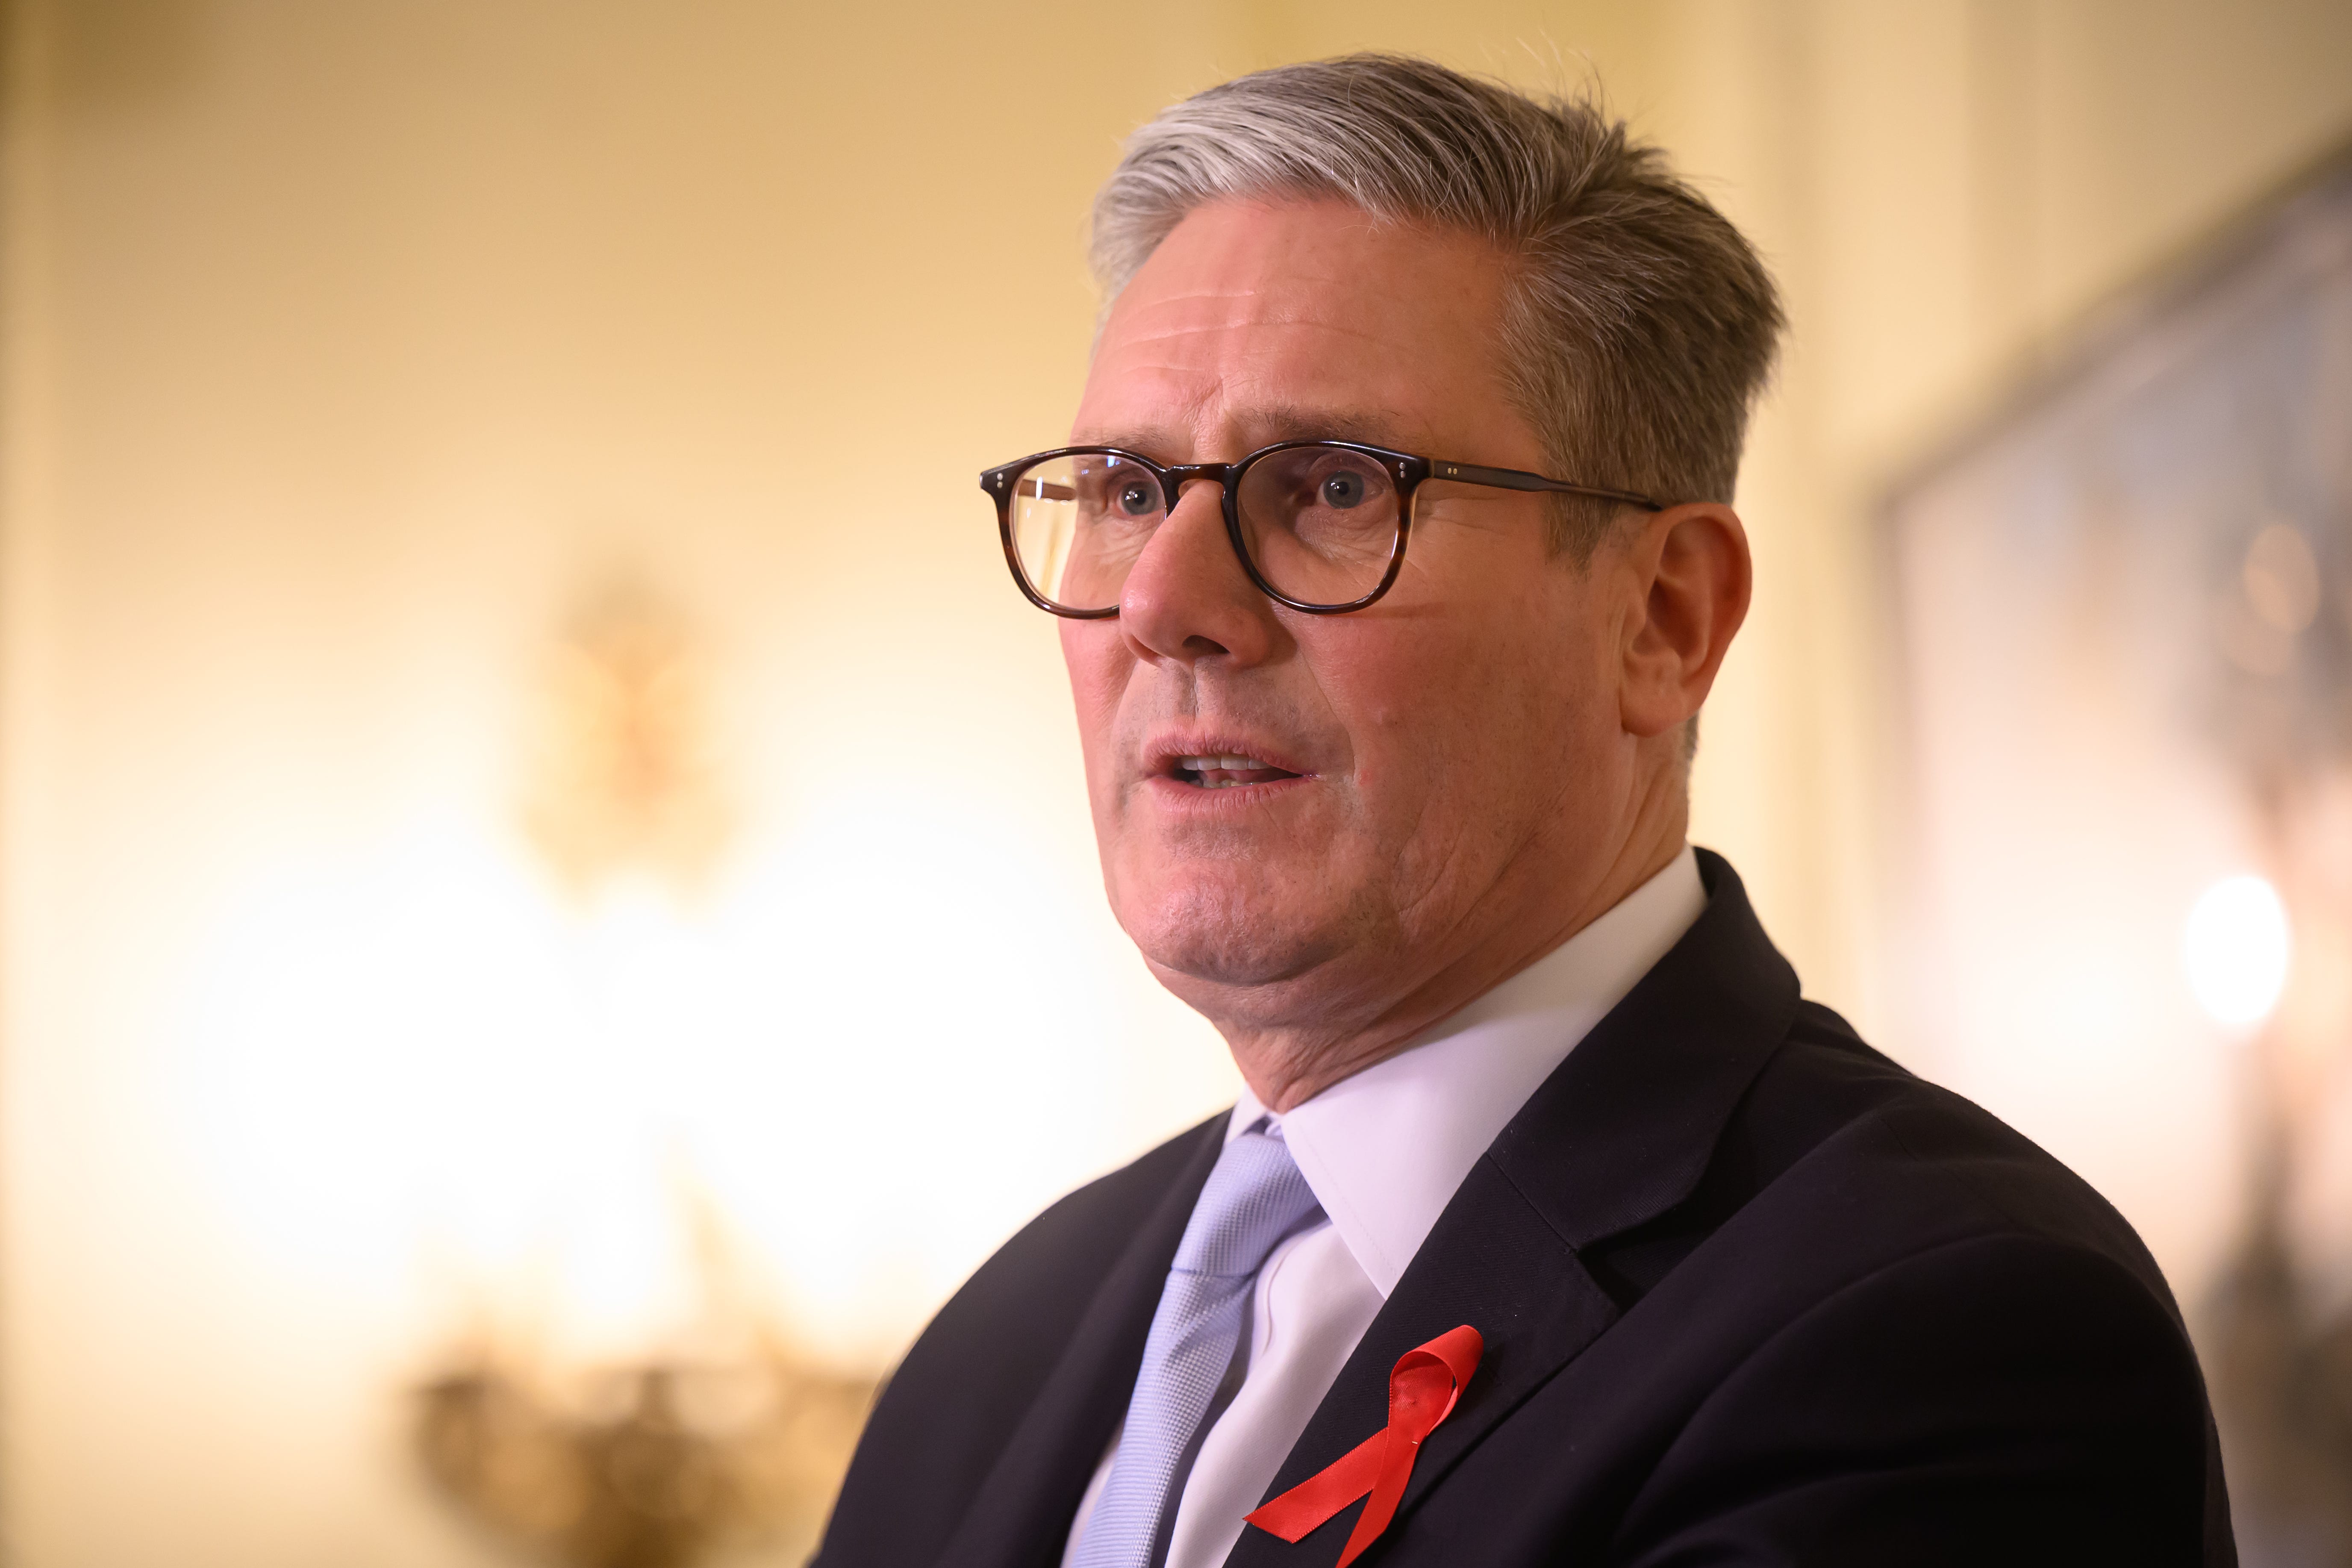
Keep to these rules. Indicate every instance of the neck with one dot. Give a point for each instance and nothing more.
(1295, 1055)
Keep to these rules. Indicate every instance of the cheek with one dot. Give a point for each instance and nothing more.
(1094, 656)
(1086, 659)
(1478, 712)
(1416, 715)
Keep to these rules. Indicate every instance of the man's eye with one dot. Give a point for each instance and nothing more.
(1343, 491)
(1137, 500)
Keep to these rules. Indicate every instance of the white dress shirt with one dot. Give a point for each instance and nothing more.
(1385, 1150)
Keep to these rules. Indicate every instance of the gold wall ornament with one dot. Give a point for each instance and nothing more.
(658, 1464)
(726, 1437)
(624, 773)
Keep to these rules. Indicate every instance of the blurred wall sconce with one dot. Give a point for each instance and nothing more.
(722, 1435)
(652, 1465)
(623, 766)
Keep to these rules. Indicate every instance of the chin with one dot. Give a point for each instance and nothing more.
(1216, 933)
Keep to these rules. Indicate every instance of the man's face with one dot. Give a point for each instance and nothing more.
(1425, 773)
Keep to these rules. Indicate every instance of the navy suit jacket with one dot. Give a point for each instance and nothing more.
(1751, 1294)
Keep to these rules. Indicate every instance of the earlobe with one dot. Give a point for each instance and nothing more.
(1695, 577)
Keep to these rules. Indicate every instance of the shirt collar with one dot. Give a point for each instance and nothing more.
(1385, 1149)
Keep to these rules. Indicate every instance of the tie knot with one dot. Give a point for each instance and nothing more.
(1254, 1198)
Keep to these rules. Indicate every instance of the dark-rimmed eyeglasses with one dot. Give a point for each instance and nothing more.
(1319, 526)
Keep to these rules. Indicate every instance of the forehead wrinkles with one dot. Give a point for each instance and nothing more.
(1283, 305)
(1252, 324)
(1266, 379)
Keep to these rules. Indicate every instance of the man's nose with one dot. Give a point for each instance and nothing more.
(1187, 596)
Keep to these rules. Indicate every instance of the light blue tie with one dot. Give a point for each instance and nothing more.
(1254, 1197)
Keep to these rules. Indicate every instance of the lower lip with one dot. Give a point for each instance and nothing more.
(1175, 794)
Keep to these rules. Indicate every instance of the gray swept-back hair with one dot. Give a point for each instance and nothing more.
(1638, 326)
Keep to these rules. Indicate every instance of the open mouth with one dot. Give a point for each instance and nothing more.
(1224, 772)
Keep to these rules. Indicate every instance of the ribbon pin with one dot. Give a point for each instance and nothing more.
(1423, 1388)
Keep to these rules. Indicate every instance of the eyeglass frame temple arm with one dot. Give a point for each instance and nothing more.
(1520, 480)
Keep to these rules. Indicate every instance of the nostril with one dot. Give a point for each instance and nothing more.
(1204, 647)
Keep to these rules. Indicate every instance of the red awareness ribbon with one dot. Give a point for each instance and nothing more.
(1423, 1388)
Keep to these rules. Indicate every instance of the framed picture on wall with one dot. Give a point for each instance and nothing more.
(2123, 606)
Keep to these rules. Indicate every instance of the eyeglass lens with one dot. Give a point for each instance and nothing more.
(1319, 523)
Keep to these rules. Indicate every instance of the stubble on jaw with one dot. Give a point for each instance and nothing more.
(1310, 969)
(1214, 936)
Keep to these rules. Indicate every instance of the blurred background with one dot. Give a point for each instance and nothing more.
(535, 830)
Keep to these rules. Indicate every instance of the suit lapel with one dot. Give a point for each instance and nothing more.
(1491, 1262)
(1617, 1135)
(1022, 1513)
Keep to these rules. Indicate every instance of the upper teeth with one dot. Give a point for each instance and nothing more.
(1201, 764)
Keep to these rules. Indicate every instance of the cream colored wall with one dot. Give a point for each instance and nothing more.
(1944, 189)
(347, 346)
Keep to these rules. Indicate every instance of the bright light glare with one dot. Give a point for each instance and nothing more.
(875, 1054)
(2236, 946)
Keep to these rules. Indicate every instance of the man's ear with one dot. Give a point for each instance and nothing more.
(1691, 567)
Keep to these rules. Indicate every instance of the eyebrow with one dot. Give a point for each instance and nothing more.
(1267, 427)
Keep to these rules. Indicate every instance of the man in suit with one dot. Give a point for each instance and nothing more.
(1395, 557)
